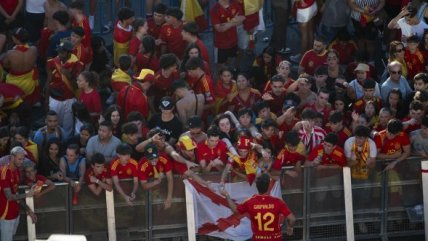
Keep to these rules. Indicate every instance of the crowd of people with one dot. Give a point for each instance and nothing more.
(157, 104)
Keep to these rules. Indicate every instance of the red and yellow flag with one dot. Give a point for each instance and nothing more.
(192, 12)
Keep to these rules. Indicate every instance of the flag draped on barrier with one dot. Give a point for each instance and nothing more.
(212, 215)
(192, 12)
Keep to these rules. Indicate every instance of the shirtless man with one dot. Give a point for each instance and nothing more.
(50, 6)
(189, 103)
(20, 62)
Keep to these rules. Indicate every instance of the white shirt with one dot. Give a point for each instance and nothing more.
(35, 6)
(409, 30)
(348, 148)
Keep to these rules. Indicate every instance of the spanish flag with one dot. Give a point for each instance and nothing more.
(192, 12)
(250, 165)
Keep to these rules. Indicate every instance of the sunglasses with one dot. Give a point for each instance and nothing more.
(399, 50)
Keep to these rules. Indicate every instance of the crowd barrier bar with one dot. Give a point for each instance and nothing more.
(424, 169)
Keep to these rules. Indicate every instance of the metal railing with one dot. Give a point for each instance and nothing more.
(384, 204)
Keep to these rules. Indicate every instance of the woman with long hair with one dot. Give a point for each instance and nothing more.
(396, 104)
(191, 51)
(396, 53)
(22, 136)
(49, 162)
(146, 58)
(114, 114)
(81, 116)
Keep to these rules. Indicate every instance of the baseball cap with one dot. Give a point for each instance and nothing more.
(166, 103)
(151, 152)
(289, 103)
(194, 122)
(145, 75)
(362, 67)
(65, 45)
(244, 142)
(186, 143)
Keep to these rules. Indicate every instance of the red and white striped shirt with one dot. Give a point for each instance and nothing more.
(313, 138)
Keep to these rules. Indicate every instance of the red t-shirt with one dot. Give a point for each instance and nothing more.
(134, 46)
(121, 35)
(173, 39)
(82, 54)
(411, 128)
(103, 176)
(345, 50)
(144, 62)
(289, 158)
(154, 30)
(203, 152)
(277, 103)
(229, 38)
(11, 94)
(9, 5)
(9, 209)
(239, 103)
(57, 83)
(310, 61)
(204, 51)
(132, 98)
(146, 170)
(264, 212)
(92, 101)
(415, 63)
(86, 40)
(30, 182)
(390, 146)
(203, 85)
(124, 171)
(337, 156)
(360, 105)
(343, 135)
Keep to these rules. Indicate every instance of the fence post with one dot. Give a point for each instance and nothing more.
(306, 203)
(111, 220)
(349, 212)
(31, 227)
(424, 169)
(384, 205)
(191, 224)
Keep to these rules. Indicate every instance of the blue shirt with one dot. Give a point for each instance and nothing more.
(55, 40)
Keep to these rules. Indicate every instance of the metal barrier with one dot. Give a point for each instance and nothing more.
(386, 204)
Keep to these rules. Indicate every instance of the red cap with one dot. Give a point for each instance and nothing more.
(244, 142)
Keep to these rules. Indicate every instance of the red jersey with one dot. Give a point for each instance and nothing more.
(146, 62)
(162, 84)
(173, 39)
(102, 177)
(411, 128)
(12, 96)
(264, 212)
(203, 85)
(325, 111)
(59, 82)
(86, 40)
(9, 6)
(124, 171)
(38, 177)
(289, 158)
(311, 60)
(360, 105)
(390, 146)
(92, 101)
(122, 35)
(221, 91)
(146, 170)
(415, 63)
(343, 135)
(313, 138)
(203, 152)
(204, 51)
(287, 84)
(154, 30)
(337, 156)
(239, 103)
(9, 209)
(288, 127)
(346, 50)
(229, 38)
(134, 46)
(132, 98)
(82, 54)
(277, 103)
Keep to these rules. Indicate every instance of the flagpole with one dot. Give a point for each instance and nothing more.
(191, 224)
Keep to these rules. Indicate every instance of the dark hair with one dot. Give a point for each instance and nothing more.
(98, 158)
(125, 13)
(138, 22)
(194, 63)
(321, 70)
(174, 12)
(4, 131)
(62, 17)
(292, 138)
(226, 68)
(245, 111)
(51, 113)
(362, 131)
(323, 90)
(23, 131)
(394, 126)
(80, 111)
(292, 96)
(160, 8)
(220, 117)
(421, 76)
(424, 121)
(56, 141)
(422, 42)
(416, 105)
(335, 117)
(135, 116)
(124, 149)
(277, 78)
(149, 45)
(268, 123)
(191, 27)
(91, 77)
(74, 147)
(321, 39)
(89, 128)
(260, 105)
(412, 39)
(262, 183)
(187, 56)
(112, 108)
(369, 84)
(129, 128)
(308, 114)
(168, 60)
(107, 123)
(78, 30)
(21, 34)
(77, 4)
(125, 62)
(331, 138)
(213, 131)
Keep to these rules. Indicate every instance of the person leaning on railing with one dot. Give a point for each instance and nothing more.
(97, 177)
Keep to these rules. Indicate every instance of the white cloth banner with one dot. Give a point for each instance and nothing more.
(212, 214)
